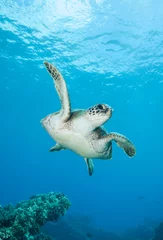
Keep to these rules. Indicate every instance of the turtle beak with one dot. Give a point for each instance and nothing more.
(109, 111)
(112, 110)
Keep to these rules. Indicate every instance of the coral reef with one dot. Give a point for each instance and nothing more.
(38, 219)
(23, 221)
(77, 228)
(159, 232)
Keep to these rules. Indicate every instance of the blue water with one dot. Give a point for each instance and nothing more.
(108, 51)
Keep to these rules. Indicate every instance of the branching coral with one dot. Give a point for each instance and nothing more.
(24, 220)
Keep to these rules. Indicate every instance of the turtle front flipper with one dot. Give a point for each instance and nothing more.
(90, 165)
(123, 142)
(62, 91)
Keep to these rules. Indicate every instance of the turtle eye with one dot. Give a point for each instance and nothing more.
(100, 106)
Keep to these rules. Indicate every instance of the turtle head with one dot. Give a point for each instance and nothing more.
(99, 114)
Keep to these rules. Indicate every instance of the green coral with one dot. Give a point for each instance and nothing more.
(24, 220)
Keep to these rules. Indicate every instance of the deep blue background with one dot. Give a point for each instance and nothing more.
(108, 51)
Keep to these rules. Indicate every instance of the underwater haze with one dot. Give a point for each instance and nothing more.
(109, 51)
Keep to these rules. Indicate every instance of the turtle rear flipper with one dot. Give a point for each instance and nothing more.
(90, 165)
(123, 142)
(61, 88)
(56, 147)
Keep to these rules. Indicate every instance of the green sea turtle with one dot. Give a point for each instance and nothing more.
(81, 130)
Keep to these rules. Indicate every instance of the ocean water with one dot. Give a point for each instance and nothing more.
(108, 51)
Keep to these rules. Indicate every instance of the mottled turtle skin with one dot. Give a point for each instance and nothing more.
(81, 130)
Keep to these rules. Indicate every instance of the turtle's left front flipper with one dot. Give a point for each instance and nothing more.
(122, 142)
(62, 91)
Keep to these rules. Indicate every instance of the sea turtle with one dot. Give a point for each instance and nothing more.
(81, 130)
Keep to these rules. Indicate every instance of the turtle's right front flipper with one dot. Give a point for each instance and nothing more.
(62, 91)
(122, 142)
